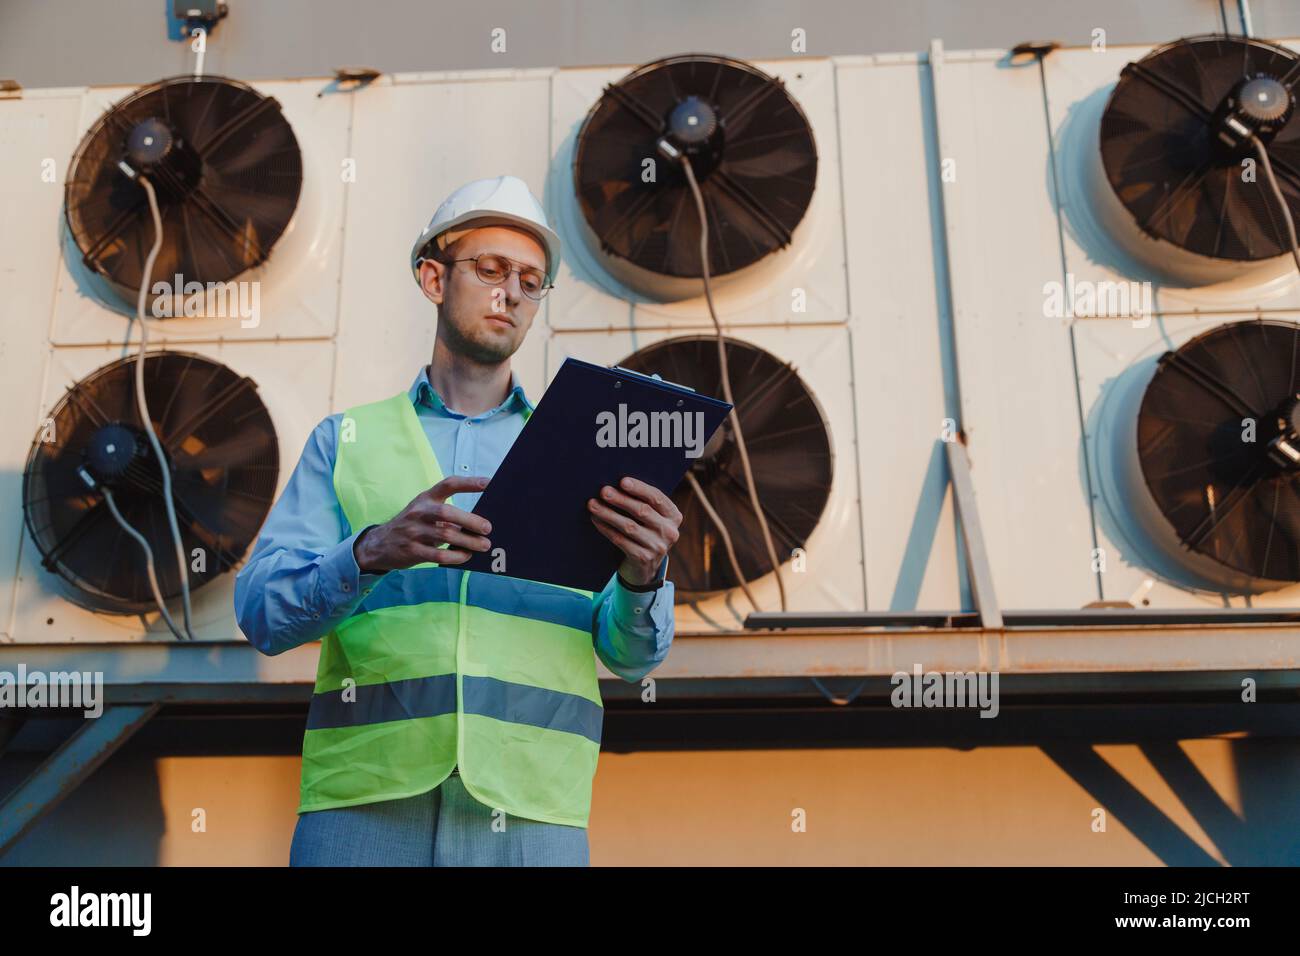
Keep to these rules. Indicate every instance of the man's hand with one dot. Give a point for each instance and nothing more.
(642, 521)
(415, 535)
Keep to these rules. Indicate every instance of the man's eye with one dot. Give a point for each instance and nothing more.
(532, 281)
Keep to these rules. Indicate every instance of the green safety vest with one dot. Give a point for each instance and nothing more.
(439, 667)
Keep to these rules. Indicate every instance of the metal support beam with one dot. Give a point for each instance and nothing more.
(977, 561)
(1108, 640)
(65, 769)
(1047, 617)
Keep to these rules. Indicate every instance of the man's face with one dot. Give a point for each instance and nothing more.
(484, 322)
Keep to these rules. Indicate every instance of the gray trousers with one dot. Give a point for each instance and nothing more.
(443, 827)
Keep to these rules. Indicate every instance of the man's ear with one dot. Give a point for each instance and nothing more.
(433, 277)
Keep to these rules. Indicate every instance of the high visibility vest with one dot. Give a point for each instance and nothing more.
(439, 667)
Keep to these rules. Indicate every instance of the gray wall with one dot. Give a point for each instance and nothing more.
(85, 42)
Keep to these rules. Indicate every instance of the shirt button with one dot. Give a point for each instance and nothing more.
(464, 467)
(315, 617)
(639, 609)
(346, 586)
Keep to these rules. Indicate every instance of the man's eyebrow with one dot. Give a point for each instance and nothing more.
(516, 262)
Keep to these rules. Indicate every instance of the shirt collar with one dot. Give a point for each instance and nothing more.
(423, 392)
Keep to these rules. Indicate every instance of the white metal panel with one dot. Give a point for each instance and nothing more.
(1015, 366)
(814, 262)
(34, 131)
(406, 167)
(297, 285)
(292, 381)
(1079, 82)
(898, 339)
(832, 580)
(877, 370)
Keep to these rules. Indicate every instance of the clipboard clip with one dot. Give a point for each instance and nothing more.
(655, 377)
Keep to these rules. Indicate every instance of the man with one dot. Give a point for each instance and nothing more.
(456, 716)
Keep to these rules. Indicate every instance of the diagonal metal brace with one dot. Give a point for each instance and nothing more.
(64, 770)
(977, 560)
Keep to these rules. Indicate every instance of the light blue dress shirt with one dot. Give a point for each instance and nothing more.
(302, 577)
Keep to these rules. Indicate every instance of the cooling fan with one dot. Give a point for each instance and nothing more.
(1176, 145)
(224, 163)
(219, 443)
(789, 450)
(749, 144)
(1229, 490)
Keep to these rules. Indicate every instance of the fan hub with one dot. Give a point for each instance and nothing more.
(149, 142)
(119, 456)
(693, 128)
(1264, 100)
(692, 122)
(172, 166)
(1258, 106)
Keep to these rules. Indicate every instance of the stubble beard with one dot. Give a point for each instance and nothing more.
(487, 349)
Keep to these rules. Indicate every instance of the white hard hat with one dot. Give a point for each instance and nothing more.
(498, 201)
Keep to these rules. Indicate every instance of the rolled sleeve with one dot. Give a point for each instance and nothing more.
(302, 577)
(633, 630)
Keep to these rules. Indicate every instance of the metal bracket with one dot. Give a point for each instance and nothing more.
(977, 561)
(64, 770)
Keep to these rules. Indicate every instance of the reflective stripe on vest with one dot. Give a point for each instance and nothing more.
(438, 667)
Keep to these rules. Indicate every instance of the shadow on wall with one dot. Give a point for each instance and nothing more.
(115, 818)
(128, 813)
(1268, 833)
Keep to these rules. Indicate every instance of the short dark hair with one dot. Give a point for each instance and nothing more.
(431, 251)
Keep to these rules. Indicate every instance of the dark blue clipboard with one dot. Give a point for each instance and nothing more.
(537, 499)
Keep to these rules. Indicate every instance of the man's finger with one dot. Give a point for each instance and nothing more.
(441, 555)
(648, 492)
(645, 537)
(449, 486)
(626, 545)
(436, 534)
(456, 516)
(638, 508)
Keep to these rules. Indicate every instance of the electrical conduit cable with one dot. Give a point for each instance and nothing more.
(143, 406)
(1281, 199)
(148, 559)
(726, 538)
(726, 382)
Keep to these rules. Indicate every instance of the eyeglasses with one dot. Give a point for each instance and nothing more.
(494, 270)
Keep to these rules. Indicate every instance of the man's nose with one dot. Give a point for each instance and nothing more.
(514, 292)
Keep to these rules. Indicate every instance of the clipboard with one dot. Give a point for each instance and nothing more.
(593, 426)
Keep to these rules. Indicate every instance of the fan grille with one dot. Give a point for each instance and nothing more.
(227, 189)
(757, 167)
(1223, 494)
(789, 447)
(1167, 165)
(219, 443)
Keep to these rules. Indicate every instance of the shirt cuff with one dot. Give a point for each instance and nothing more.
(634, 606)
(340, 576)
